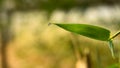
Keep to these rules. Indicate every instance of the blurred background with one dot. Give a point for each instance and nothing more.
(26, 40)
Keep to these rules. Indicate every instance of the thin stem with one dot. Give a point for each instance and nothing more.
(115, 35)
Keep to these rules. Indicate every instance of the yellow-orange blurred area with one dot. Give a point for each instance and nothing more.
(37, 45)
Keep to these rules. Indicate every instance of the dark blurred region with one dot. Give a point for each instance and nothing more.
(61, 4)
(26, 40)
(55, 4)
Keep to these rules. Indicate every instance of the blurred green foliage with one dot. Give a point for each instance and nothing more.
(61, 4)
(114, 66)
(45, 4)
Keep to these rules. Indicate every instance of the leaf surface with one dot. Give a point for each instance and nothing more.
(90, 31)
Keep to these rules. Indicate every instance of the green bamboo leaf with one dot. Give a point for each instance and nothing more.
(90, 31)
(111, 46)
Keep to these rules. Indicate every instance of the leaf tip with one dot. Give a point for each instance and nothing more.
(49, 23)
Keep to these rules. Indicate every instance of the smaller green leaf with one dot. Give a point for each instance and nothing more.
(90, 31)
(111, 46)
